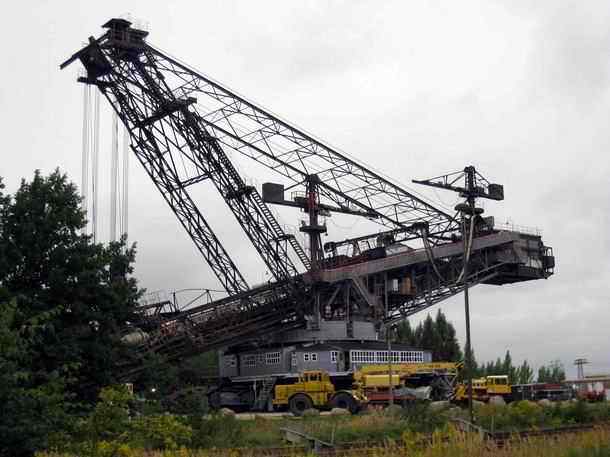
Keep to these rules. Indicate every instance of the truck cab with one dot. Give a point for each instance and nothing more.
(314, 389)
(498, 385)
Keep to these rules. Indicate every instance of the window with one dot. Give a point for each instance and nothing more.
(293, 359)
(333, 356)
(230, 361)
(366, 357)
(310, 356)
(260, 359)
(272, 358)
(250, 360)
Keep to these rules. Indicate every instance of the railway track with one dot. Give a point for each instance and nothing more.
(495, 440)
(501, 438)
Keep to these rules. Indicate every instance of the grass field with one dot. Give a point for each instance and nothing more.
(593, 443)
(418, 430)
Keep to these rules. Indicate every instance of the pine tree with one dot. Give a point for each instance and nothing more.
(429, 337)
(402, 333)
(553, 373)
(498, 367)
(508, 368)
(524, 374)
(448, 349)
(543, 374)
(475, 370)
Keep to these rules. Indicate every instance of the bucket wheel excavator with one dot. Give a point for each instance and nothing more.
(185, 127)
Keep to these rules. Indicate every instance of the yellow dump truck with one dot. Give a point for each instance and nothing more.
(314, 389)
(485, 388)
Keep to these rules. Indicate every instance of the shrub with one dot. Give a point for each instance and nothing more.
(191, 401)
(159, 432)
(421, 418)
(109, 420)
(218, 431)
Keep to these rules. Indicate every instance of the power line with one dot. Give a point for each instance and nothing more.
(125, 203)
(114, 170)
(85, 152)
(95, 171)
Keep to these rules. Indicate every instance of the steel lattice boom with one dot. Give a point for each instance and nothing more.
(183, 126)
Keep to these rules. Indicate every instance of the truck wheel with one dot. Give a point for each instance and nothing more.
(214, 400)
(299, 403)
(344, 400)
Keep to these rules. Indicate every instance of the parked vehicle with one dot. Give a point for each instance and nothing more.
(314, 389)
(485, 388)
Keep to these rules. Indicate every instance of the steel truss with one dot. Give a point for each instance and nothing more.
(254, 132)
(182, 126)
(177, 151)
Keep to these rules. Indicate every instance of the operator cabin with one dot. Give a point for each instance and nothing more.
(334, 357)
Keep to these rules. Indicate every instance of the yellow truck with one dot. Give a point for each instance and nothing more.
(314, 389)
(410, 381)
(485, 388)
(410, 369)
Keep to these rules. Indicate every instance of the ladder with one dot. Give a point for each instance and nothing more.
(294, 243)
(264, 393)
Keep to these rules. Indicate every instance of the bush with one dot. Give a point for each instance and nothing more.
(218, 431)
(516, 416)
(525, 415)
(421, 418)
(159, 432)
(191, 401)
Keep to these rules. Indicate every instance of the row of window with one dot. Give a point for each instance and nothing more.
(274, 358)
(269, 358)
(310, 357)
(382, 356)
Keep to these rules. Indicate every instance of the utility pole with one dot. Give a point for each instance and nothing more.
(465, 236)
(475, 186)
(388, 336)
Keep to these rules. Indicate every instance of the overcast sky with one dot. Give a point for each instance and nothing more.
(416, 89)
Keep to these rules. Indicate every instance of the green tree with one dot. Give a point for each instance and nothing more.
(63, 300)
(447, 346)
(50, 266)
(487, 369)
(193, 369)
(476, 371)
(543, 374)
(4, 202)
(403, 333)
(554, 372)
(429, 337)
(524, 374)
(508, 368)
(34, 406)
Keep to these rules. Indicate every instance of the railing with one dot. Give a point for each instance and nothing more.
(509, 226)
(153, 297)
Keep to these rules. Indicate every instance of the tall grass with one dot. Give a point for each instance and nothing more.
(593, 443)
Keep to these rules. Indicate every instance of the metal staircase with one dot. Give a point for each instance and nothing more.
(284, 236)
(264, 393)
